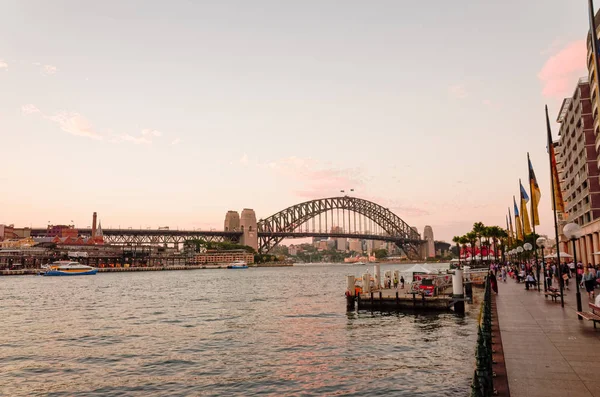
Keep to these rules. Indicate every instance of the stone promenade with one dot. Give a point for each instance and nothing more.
(547, 350)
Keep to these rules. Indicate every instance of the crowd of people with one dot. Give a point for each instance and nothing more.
(587, 277)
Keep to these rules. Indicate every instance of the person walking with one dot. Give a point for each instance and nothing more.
(589, 279)
(402, 282)
(395, 282)
(493, 282)
(503, 273)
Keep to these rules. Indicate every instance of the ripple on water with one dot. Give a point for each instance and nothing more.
(262, 332)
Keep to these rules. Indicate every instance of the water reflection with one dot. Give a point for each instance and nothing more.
(261, 331)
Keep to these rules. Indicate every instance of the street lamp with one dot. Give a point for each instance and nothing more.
(528, 247)
(541, 243)
(504, 252)
(573, 231)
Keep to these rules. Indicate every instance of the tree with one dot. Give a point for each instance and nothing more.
(381, 253)
(463, 243)
(472, 238)
(456, 240)
(479, 230)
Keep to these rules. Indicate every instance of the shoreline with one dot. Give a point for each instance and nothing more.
(34, 272)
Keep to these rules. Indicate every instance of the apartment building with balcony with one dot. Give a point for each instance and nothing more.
(577, 159)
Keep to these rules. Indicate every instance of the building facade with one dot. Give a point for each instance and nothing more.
(222, 257)
(577, 157)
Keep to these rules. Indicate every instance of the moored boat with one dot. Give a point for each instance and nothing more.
(68, 268)
(238, 265)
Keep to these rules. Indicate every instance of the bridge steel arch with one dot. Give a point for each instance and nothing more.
(272, 230)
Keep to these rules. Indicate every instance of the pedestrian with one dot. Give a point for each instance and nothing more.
(589, 279)
(395, 282)
(566, 275)
(402, 282)
(503, 273)
(530, 281)
(493, 282)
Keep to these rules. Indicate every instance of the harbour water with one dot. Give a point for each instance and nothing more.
(263, 331)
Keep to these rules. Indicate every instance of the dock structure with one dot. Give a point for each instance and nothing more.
(401, 300)
(374, 293)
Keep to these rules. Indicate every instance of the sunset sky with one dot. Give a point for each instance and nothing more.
(157, 113)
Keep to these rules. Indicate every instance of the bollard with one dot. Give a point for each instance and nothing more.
(366, 282)
(350, 285)
(350, 293)
(458, 292)
(377, 273)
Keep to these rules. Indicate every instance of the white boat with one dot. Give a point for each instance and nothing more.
(359, 263)
(68, 268)
(238, 265)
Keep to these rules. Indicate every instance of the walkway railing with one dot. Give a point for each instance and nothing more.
(483, 375)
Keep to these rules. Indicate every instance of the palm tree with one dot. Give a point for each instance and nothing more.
(502, 236)
(479, 230)
(463, 240)
(494, 233)
(456, 240)
(472, 238)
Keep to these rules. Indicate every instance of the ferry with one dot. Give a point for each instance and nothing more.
(68, 268)
(238, 265)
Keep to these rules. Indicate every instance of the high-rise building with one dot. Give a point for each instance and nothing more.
(577, 157)
(355, 245)
(594, 87)
(340, 242)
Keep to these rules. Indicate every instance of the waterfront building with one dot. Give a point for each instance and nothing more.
(442, 248)
(430, 243)
(323, 245)
(61, 231)
(294, 249)
(340, 242)
(577, 160)
(222, 257)
(355, 245)
(12, 232)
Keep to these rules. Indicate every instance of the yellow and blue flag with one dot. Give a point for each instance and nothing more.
(524, 215)
(518, 224)
(534, 189)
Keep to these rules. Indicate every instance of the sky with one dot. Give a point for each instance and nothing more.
(157, 113)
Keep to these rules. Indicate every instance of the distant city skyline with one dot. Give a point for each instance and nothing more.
(170, 114)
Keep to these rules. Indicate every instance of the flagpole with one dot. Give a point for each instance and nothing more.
(535, 247)
(560, 280)
(522, 212)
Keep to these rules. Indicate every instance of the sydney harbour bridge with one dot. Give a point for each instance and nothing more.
(335, 217)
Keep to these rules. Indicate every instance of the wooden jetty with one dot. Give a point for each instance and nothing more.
(391, 299)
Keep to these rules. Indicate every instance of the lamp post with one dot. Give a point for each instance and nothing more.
(504, 252)
(519, 252)
(541, 243)
(573, 231)
(528, 247)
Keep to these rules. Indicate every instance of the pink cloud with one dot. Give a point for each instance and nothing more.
(561, 71)
(75, 124)
(314, 179)
(49, 69)
(29, 109)
(458, 91)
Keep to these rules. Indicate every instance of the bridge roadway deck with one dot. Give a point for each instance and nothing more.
(547, 350)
